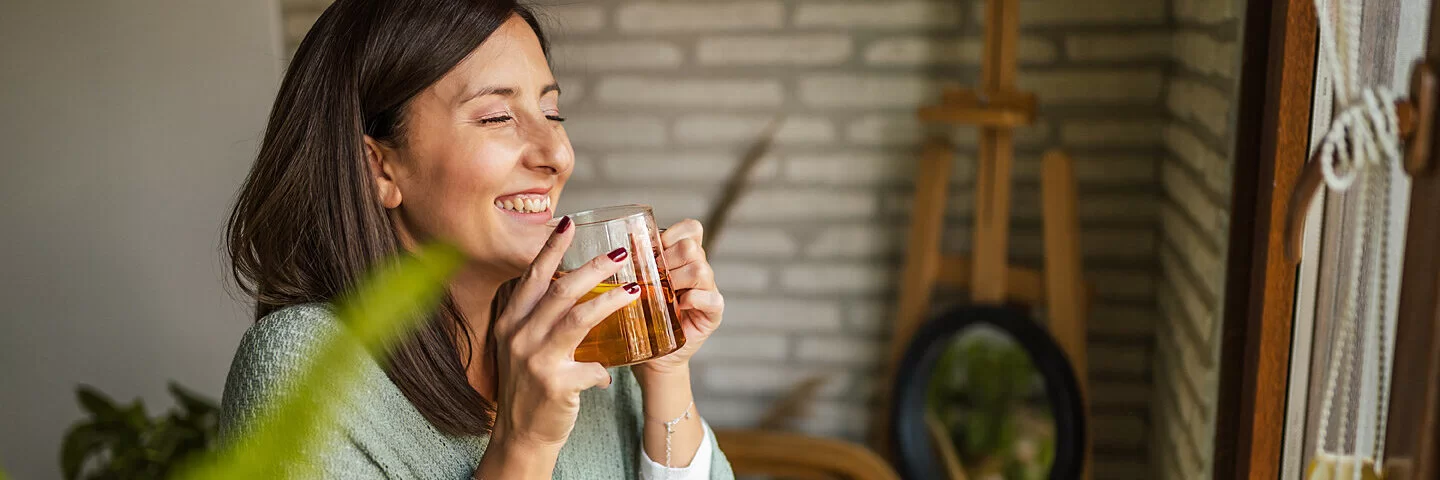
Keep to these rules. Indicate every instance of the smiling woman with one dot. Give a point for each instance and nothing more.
(402, 122)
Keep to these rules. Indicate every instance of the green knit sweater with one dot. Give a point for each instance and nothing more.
(382, 436)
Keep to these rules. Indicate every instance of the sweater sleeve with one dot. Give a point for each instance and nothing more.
(271, 355)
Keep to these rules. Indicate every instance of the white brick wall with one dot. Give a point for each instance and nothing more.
(665, 96)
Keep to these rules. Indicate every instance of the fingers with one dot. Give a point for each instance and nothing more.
(594, 375)
(687, 228)
(708, 302)
(683, 252)
(536, 279)
(696, 274)
(584, 316)
(566, 290)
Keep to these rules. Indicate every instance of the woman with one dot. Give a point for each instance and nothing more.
(405, 121)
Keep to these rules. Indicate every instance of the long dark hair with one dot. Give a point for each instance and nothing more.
(308, 222)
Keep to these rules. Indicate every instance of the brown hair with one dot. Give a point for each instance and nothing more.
(307, 223)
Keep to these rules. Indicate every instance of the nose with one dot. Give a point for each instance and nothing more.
(547, 148)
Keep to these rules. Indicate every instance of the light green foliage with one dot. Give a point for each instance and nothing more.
(393, 300)
(985, 390)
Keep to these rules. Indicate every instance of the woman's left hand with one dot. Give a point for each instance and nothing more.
(698, 301)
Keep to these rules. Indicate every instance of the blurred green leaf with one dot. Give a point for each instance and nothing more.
(194, 404)
(392, 300)
(97, 403)
(78, 443)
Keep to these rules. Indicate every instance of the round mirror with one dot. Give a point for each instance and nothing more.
(988, 392)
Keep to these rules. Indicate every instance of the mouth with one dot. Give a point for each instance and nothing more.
(531, 206)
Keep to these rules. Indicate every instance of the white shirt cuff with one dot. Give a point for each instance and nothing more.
(699, 468)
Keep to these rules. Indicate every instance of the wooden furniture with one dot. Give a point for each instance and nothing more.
(800, 457)
(996, 107)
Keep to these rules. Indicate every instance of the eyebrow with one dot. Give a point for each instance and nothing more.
(502, 91)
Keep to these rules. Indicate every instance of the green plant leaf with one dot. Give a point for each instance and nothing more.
(391, 301)
(76, 447)
(97, 403)
(193, 404)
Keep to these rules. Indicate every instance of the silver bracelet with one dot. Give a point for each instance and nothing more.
(670, 433)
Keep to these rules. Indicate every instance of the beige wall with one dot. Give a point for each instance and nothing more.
(127, 126)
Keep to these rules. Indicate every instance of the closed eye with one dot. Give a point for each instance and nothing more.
(555, 118)
(496, 119)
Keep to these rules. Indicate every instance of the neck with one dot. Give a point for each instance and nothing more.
(473, 294)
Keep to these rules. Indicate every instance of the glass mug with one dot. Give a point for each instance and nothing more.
(647, 328)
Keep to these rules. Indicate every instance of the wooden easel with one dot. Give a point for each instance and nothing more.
(996, 108)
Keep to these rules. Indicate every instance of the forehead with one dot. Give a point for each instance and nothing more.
(510, 58)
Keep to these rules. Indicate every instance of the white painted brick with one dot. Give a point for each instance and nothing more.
(838, 278)
(1132, 360)
(590, 56)
(730, 345)
(1203, 54)
(563, 19)
(1136, 243)
(1091, 170)
(670, 206)
(747, 242)
(791, 204)
(572, 90)
(654, 91)
(1213, 219)
(771, 379)
(856, 241)
(898, 130)
(900, 14)
(869, 317)
(1117, 206)
(293, 5)
(783, 315)
(297, 24)
(849, 168)
(585, 169)
(614, 131)
(1213, 166)
(1181, 303)
(831, 90)
(1202, 103)
(839, 350)
(744, 130)
(730, 412)
(1134, 283)
(917, 50)
(1028, 136)
(739, 277)
(1205, 11)
(1067, 12)
(681, 166)
(846, 420)
(1111, 133)
(1202, 258)
(1091, 86)
(688, 17)
(1119, 46)
(814, 49)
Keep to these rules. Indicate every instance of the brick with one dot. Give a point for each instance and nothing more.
(297, 24)
(1111, 133)
(670, 205)
(901, 14)
(688, 17)
(1133, 283)
(292, 5)
(1202, 103)
(1111, 393)
(782, 315)
(1136, 243)
(856, 241)
(840, 91)
(792, 204)
(648, 91)
(680, 166)
(1213, 219)
(709, 129)
(591, 56)
(1094, 12)
(1129, 360)
(898, 130)
(1091, 86)
(854, 168)
(815, 49)
(1205, 11)
(730, 412)
(747, 242)
(1119, 46)
(838, 278)
(585, 169)
(1214, 167)
(1206, 262)
(916, 50)
(869, 317)
(846, 420)
(1181, 303)
(564, 19)
(839, 350)
(1112, 206)
(1204, 54)
(738, 277)
(1105, 170)
(572, 90)
(728, 345)
(1118, 431)
(614, 131)
(767, 379)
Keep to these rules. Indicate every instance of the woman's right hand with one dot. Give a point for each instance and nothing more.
(536, 337)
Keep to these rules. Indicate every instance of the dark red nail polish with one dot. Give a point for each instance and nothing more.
(632, 287)
(564, 225)
(618, 254)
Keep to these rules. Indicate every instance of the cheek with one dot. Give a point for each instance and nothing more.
(455, 196)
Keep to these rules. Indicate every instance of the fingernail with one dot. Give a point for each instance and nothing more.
(618, 254)
(564, 224)
(632, 287)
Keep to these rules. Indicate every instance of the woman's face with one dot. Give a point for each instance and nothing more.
(484, 156)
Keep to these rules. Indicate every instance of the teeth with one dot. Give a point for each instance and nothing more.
(525, 204)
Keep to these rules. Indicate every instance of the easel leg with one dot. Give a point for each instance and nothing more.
(1064, 285)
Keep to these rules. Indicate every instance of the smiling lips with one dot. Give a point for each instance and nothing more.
(524, 203)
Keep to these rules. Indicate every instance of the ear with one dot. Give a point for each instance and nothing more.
(382, 166)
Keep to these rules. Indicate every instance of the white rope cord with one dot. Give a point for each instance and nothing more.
(1361, 145)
